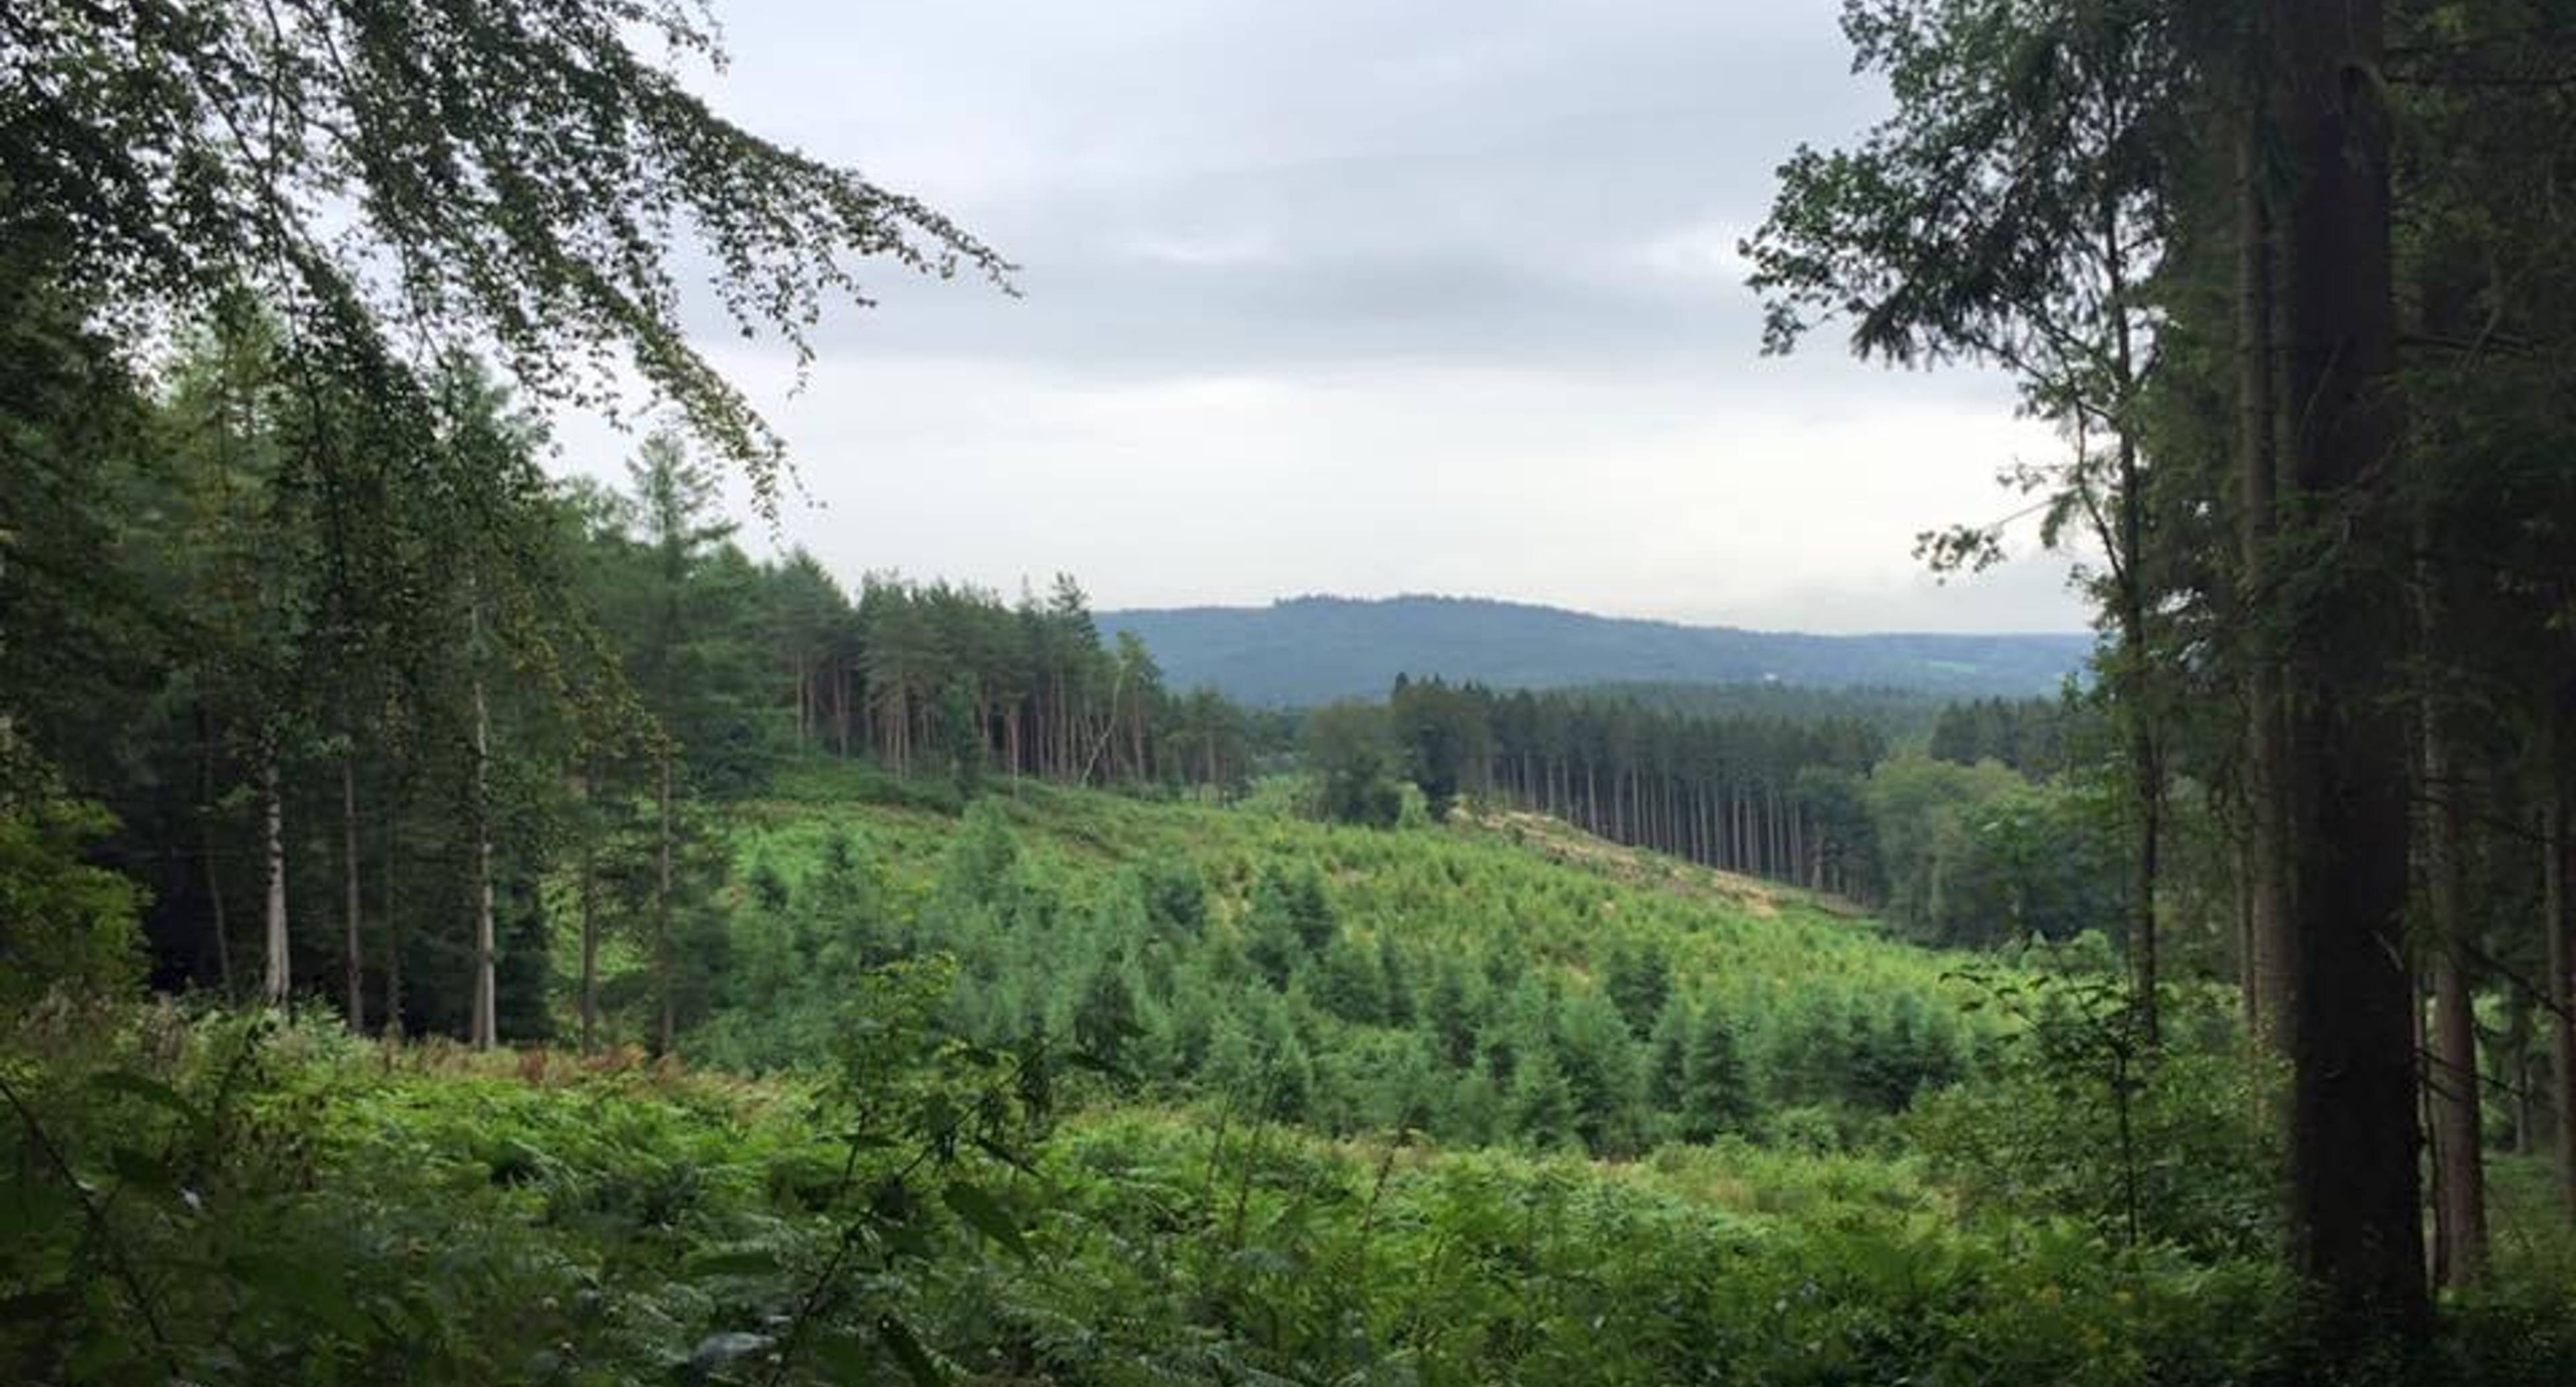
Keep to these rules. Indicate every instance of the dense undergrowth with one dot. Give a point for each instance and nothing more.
(1076, 1089)
(295, 1206)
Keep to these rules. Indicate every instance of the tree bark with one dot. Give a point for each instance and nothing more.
(2355, 1211)
(2451, 1070)
(206, 847)
(2558, 844)
(486, 1023)
(589, 911)
(2266, 961)
(276, 976)
(393, 923)
(356, 1006)
(669, 1030)
(2146, 760)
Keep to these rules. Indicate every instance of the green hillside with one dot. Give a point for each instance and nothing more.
(1076, 1088)
(1434, 978)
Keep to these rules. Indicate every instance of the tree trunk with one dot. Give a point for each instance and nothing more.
(206, 848)
(2146, 759)
(276, 976)
(486, 1024)
(393, 923)
(2146, 768)
(2451, 1057)
(356, 1007)
(2513, 1062)
(2267, 958)
(223, 930)
(2557, 846)
(589, 910)
(2355, 1212)
(669, 1030)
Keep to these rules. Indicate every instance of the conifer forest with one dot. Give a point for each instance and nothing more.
(492, 891)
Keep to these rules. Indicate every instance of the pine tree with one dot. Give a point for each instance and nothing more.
(1717, 1096)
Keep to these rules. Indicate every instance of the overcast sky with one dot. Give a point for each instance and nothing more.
(1358, 297)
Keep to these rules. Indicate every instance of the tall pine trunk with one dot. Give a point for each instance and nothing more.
(2266, 960)
(2355, 1212)
(2146, 759)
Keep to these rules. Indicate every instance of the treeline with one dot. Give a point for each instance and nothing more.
(349, 705)
(952, 681)
(1768, 796)
(1905, 715)
(2039, 737)
(1998, 835)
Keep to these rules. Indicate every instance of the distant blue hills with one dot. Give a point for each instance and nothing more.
(1307, 650)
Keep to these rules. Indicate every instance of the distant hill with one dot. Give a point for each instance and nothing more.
(1309, 650)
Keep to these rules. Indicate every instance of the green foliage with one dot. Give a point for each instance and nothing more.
(225, 1202)
(1349, 747)
(2039, 737)
(1358, 980)
(1978, 856)
(1444, 736)
(493, 182)
(64, 924)
(2083, 1120)
(1716, 1093)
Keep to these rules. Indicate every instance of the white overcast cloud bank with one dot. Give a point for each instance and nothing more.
(1358, 298)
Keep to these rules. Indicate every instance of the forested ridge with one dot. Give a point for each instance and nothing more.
(1315, 649)
(460, 923)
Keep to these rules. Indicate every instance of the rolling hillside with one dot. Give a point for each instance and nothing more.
(1315, 649)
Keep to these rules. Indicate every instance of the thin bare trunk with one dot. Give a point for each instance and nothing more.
(223, 931)
(2557, 844)
(356, 1007)
(589, 913)
(276, 976)
(393, 923)
(2451, 1057)
(206, 853)
(669, 1031)
(486, 1024)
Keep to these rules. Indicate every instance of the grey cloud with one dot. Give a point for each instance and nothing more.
(1405, 181)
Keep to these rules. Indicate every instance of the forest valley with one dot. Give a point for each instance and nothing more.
(460, 924)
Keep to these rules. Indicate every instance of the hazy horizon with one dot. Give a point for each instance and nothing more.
(1108, 610)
